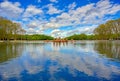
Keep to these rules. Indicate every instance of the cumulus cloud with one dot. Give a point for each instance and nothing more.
(32, 11)
(72, 6)
(53, 18)
(84, 29)
(53, 10)
(89, 15)
(10, 10)
(39, 32)
(32, 25)
(50, 25)
(31, 31)
(57, 33)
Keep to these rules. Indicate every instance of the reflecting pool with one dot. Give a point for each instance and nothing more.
(67, 61)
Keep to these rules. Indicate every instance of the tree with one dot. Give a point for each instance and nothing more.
(9, 30)
(5, 26)
(109, 30)
(78, 37)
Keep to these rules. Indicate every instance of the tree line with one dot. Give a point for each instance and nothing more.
(10, 30)
(108, 31)
(35, 37)
(81, 37)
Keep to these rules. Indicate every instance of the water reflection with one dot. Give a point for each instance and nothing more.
(9, 51)
(59, 62)
(59, 44)
(110, 49)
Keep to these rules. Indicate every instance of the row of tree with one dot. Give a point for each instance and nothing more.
(9, 30)
(34, 37)
(108, 31)
(81, 37)
(13, 31)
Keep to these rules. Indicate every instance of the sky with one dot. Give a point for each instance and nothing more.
(60, 18)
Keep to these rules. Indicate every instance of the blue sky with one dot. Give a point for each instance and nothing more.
(60, 18)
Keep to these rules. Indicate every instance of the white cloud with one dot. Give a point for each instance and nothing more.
(31, 31)
(51, 25)
(33, 24)
(10, 10)
(72, 6)
(26, 19)
(32, 11)
(57, 33)
(90, 14)
(54, 1)
(84, 29)
(53, 10)
(39, 32)
(78, 30)
(104, 7)
(93, 14)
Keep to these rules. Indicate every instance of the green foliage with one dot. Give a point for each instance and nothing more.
(108, 49)
(109, 30)
(81, 37)
(7, 52)
(9, 30)
(34, 37)
(13, 31)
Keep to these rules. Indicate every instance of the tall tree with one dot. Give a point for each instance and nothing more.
(9, 29)
(109, 30)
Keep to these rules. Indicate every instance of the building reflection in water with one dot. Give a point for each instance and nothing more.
(59, 44)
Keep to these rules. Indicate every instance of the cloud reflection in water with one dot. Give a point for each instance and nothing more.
(60, 61)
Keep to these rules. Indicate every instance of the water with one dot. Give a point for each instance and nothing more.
(79, 61)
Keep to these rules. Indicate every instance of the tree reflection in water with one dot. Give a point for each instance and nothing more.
(9, 51)
(110, 49)
(60, 61)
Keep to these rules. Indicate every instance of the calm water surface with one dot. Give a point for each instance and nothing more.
(79, 61)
